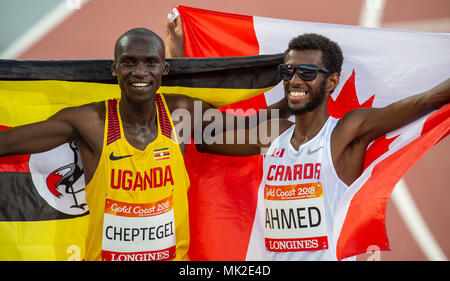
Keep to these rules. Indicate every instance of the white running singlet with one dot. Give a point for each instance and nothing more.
(301, 193)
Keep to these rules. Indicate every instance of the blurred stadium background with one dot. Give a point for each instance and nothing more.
(87, 29)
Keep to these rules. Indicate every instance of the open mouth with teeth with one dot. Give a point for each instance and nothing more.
(140, 85)
(297, 95)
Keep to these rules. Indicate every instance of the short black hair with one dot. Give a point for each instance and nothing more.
(332, 53)
(140, 31)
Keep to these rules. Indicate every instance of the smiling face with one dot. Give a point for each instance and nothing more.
(305, 96)
(139, 65)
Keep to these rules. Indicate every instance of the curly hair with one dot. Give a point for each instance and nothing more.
(332, 53)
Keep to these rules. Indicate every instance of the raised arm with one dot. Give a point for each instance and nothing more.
(37, 137)
(358, 128)
(375, 122)
(66, 125)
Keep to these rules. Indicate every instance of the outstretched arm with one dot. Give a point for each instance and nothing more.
(375, 122)
(247, 135)
(83, 124)
(226, 133)
(38, 137)
(358, 128)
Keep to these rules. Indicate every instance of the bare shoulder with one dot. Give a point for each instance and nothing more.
(92, 114)
(177, 101)
(279, 125)
(273, 129)
(91, 111)
(349, 125)
(73, 123)
(87, 120)
(95, 110)
(284, 124)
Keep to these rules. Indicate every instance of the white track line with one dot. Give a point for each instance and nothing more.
(54, 17)
(415, 223)
(371, 14)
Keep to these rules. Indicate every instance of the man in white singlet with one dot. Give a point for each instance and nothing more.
(311, 163)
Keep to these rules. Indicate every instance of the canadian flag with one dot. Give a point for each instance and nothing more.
(380, 67)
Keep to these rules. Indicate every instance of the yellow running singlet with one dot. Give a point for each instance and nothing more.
(138, 198)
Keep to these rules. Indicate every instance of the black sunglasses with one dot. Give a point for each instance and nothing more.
(307, 72)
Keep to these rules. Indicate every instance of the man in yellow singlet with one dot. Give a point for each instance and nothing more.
(133, 163)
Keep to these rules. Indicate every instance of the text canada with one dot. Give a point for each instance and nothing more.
(294, 173)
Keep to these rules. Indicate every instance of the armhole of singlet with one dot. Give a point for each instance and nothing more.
(112, 124)
(106, 131)
(328, 144)
(166, 126)
(169, 129)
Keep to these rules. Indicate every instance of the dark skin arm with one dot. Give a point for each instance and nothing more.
(358, 128)
(353, 133)
(249, 147)
(83, 124)
(174, 43)
(248, 127)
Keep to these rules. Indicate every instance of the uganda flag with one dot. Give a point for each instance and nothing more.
(161, 154)
(43, 212)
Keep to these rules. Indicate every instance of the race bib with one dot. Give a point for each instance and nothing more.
(295, 218)
(139, 232)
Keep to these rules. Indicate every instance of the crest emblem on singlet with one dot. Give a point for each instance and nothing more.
(278, 152)
(58, 177)
(161, 154)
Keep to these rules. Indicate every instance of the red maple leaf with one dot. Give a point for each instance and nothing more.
(347, 99)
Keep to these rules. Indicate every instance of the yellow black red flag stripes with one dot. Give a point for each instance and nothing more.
(43, 215)
(251, 72)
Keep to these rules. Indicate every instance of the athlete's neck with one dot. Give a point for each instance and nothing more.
(142, 113)
(307, 126)
(139, 122)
